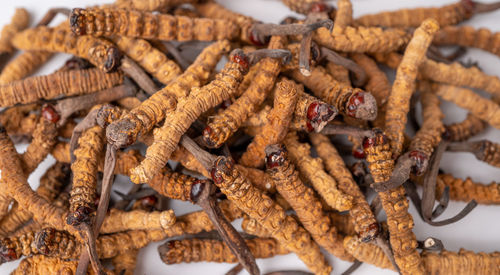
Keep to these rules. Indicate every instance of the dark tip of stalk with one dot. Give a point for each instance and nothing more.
(76, 21)
(121, 133)
(44, 239)
(275, 155)
(113, 59)
(476, 7)
(80, 215)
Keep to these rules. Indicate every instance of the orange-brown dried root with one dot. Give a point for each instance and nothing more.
(312, 169)
(151, 59)
(84, 189)
(400, 222)
(51, 184)
(226, 123)
(263, 209)
(362, 39)
(349, 101)
(467, 190)
(465, 129)
(367, 252)
(343, 16)
(198, 101)
(304, 201)
(142, 119)
(451, 14)
(101, 53)
(23, 65)
(18, 22)
(463, 262)
(398, 103)
(140, 24)
(339, 73)
(216, 11)
(67, 83)
(302, 6)
(176, 185)
(285, 99)
(203, 250)
(481, 107)
(363, 218)
(429, 135)
(40, 264)
(469, 36)
(118, 221)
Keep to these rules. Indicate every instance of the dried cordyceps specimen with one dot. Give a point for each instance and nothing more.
(429, 135)
(398, 103)
(400, 222)
(40, 264)
(203, 250)
(251, 226)
(348, 100)
(259, 178)
(133, 23)
(84, 190)
(378, 85)
(118, 221)
(142, 119)
(151, 59)
(125, 262)
(467, 190)
(19, 21)
(22, 65)
(339, 73)
(51, 184)
(462, 131)
(463, 262)
(102, 53)
(483, 150)
(223, 125)
(481, 107)
(280, 116)
(364, 221)
(313, 170)
(304, 6)
(303, 200)
(366, 252)
(64, 83)
(176, 185)
(198, 101)
(152, 5)
(468, 36)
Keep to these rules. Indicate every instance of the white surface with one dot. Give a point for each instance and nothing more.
(477, 232)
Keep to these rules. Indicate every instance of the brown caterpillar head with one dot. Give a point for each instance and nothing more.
(121, 133)
(106, 114)
(469, 6)
(223, 166)
(421, 161)
(239, 57)
(148, 202)
(113, 57)
(210, 138)
(378, 138)
(196, 190)
(318, 115)
(168, 253)
(7, 251)
(276, 155)
(45, 240)
(369, 233)
(318, 7)
(49, 113)
(362, 105)
(358, 153)
(80, 215)
(77, 21)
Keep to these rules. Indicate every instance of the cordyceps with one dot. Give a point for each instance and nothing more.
(19, 21)
(349, 101)
(143, 118)
(102, 53)
(303, 200)
(451, 14)
(398, 103)
(364, 220)
(133, 23)
(188, 110)
(465, 129)
(468, 36)
(223, 125)
(379, 157)
(303, 6)
(483, 150)
(67, 83)
(467, 190)
(203, 250)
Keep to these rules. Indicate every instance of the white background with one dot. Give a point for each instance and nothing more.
(477, 232)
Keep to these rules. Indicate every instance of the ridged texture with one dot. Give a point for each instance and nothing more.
(152, 5)
(398, 103)
(14, 248)
(118, 221)
(175, 185)
(467, 190)
(125, 262)
(339, 73)
(313, 170)
(263, 209)
(44, 139)
(18, 22)
(488, 152)
(142, 119)
(151, 59)
(300, 6)
(451, 14)
(68, 83)
(305, 203)
(253, 227)
(226, 123)
(343, 16)
(188, 110)
(464, 262)
(140, 24)
(40, 264)
(202, 250)
(101, 53)
(279, 118)
(368, 253)
(465, 129)
(22, 65)
(364, 221)
(469, 36)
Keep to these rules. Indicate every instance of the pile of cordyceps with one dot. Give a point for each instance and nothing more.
(253, 140)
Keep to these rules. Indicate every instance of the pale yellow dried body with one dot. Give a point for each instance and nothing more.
(364, 221)
(118, 221)
(469, 36)
(343, 16)
(398, 103)
(312, 169)
(19, 21)
(151, 59)
(481, 107)
(463, 130)
(467, 190)
(285, 99)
